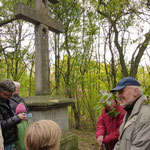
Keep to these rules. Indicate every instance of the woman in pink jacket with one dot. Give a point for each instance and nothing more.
(108, 124)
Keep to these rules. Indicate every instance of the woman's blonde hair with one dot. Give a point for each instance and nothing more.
(43, 135)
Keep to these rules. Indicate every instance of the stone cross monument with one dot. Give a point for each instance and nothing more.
(43, 105)
(43, 23)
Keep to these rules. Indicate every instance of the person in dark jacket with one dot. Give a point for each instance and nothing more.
(8, 119)
(15, 102)
(16, 99)
(109, 122)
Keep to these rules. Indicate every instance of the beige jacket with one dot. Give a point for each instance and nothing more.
(1, 140)
(135, 134)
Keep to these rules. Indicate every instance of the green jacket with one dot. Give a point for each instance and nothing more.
(20, 144)
(135, 133)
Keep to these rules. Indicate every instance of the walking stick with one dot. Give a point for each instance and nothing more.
(102, 147)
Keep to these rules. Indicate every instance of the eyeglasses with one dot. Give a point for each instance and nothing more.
(7, 94)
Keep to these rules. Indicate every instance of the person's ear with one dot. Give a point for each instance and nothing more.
(136, 92)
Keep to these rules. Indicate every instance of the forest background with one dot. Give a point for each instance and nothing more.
(103, 41)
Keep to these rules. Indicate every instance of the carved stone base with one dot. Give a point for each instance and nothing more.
(54, 108)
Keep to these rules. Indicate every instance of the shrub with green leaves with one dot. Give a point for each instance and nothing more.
(104, 99)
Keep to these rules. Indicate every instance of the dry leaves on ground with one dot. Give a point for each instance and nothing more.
(86, 140)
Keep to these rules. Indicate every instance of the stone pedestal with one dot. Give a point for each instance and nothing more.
(54, 108)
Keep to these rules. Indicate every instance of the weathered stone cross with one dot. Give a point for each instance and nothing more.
(43, 23)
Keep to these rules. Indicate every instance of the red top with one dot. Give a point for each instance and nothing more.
(109, 127)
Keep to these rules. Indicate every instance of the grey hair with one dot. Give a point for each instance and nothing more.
(16, 83)
(140, 90)
(7, 85)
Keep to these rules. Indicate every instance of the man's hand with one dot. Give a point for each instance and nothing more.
(100, 140)
(22, 116)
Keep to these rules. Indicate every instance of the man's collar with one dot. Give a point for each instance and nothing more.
(130, 107)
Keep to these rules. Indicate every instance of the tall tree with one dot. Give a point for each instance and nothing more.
(124, 17)
(68, 13)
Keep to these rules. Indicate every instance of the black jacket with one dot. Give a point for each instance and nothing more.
(15, 100)
(8, 122)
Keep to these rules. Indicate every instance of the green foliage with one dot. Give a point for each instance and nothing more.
(105, 100)
(7, 7)
(83, 71)
(24, 81)
(147, 101)
(113, 113)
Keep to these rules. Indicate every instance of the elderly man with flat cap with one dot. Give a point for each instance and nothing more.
(135, 129)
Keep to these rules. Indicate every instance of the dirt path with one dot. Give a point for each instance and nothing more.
(86, 140)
